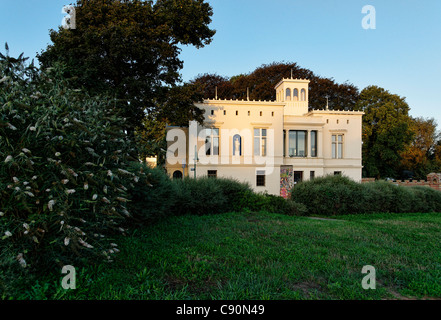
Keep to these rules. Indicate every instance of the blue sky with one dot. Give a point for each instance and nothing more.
(402, 55)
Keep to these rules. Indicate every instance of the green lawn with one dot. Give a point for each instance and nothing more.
(266, 256)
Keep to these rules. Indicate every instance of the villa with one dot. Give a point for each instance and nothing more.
(270, 144)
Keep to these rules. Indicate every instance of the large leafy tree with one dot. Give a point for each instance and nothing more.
(261, 82)
(129, 49)
(387, 131)
(419, 156)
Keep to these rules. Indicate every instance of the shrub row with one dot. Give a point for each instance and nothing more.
(161, 196)
(339, 195)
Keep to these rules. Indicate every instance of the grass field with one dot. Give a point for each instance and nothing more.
(266, 256)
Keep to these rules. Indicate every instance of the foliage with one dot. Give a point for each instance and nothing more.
(129, 50)
(427, 199)
(152, 197)
(339, 195)
(328, 195)
(386, 131)
(257, 202)
(262, 80)
(63, 170)
(419, 156)
(199, 197)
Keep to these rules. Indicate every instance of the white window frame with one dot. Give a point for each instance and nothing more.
(263, 140)
(337, 146)
(211, 138)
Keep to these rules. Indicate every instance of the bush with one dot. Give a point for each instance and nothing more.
(249, 200)
(159, 196)
(339, 195)
(199, 197)
(384, 197)
(329, 195)
(426, 199)
(64, 172)
(153, 196)
(232, 189)
(277, 204)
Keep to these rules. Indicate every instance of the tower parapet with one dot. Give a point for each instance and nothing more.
(294, 93)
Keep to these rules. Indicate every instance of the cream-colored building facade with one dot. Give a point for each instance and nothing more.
(270, 144)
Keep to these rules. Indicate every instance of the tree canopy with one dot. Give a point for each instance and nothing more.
(386, 131)
(262, 80)
(129, 49)
(419, 157)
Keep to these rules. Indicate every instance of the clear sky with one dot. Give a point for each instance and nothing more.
(402, 55)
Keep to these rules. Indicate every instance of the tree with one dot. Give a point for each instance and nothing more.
(386, 131)
(437, 157)
(129, 49)
(261, 82)
(419, 155)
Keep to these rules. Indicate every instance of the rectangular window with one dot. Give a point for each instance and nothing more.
(297, 143)
(313, 143)
(212, 173)
(260, 178)
(298, 176)
(212, 142)
(337, 173)
(337, 146)
(311, 175)
(260, 142)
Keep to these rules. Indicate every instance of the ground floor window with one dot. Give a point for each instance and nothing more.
(260, 178)
(298, 176)
(337, 173)
(311, 175)
(212, 173)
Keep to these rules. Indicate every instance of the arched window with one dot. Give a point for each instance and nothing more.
(303, 95)
(295, 95)
(177, 174)
(237, 145)
(288, 94)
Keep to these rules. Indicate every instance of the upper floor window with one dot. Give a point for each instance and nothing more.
(313, 143)
(303, 95)
(288, 94)
(212, 142)
(297, 143)
(337, 146)
(260, 142)
(295, 95)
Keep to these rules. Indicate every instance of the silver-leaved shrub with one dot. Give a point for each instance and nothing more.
(64, 170)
